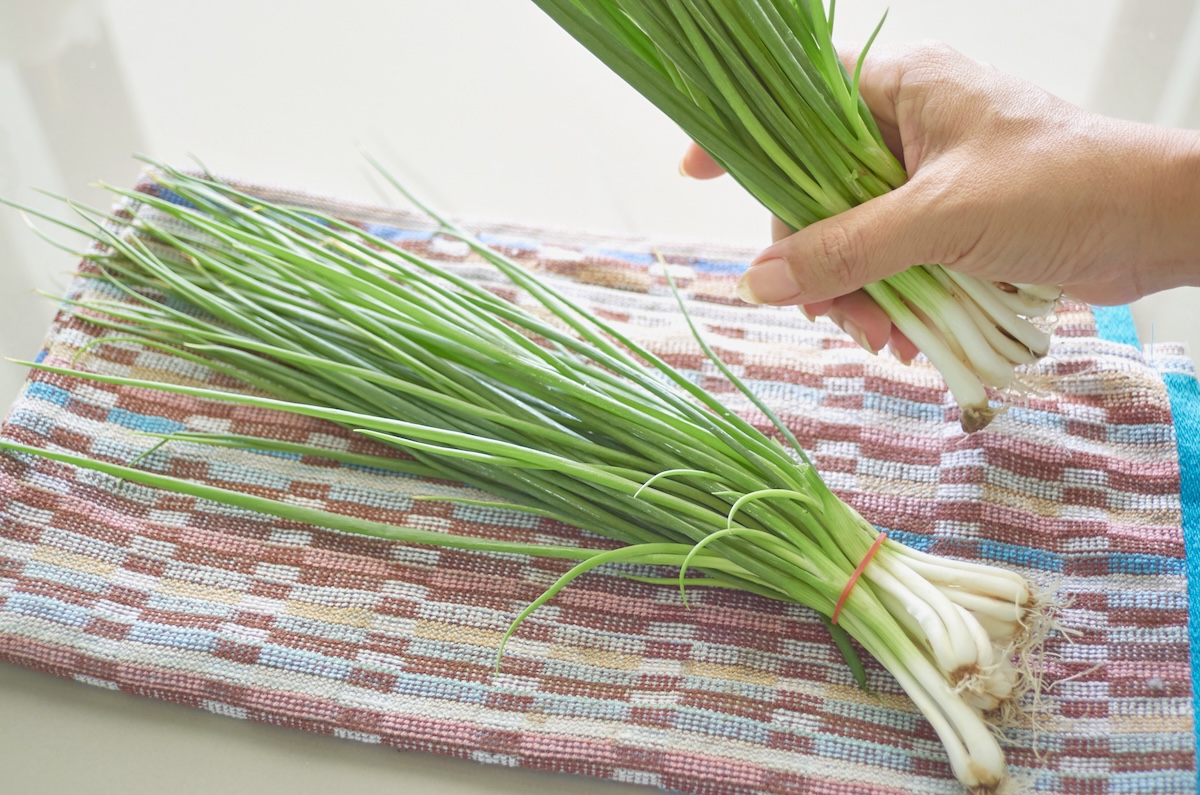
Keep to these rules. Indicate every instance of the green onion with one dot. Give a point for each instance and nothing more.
(547, 408)
(759, 85)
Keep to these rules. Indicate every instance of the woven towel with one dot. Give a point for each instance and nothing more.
(1078, 486)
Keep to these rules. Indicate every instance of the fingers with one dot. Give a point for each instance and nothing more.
(841, 254)
(868, 325)
(861, 318)
(819, 308)
(698, 164)
(901, 347)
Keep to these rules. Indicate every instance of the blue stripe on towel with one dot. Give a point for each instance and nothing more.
(1184, 393)
(1115, 324)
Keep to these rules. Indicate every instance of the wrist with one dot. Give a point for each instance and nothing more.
(1170, 241)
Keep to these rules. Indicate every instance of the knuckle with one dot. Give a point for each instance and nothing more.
(838, 257)
(936, 63)
(943, 196)
(934, 52)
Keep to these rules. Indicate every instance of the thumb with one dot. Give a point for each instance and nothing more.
(838, 255)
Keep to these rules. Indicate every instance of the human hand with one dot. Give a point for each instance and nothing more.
(1007, 183)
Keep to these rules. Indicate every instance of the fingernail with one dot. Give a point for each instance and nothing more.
(811, 317)
(899, 356)
(853, 329)
(767, 282)
(683, 168)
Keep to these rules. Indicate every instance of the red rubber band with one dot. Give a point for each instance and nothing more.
(841, 602)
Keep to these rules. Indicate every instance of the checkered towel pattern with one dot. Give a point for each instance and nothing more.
(1078, 486)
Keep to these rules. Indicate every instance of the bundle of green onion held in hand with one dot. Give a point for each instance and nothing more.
(759, 85)
(553, 411)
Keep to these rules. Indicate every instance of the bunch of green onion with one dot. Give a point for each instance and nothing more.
(759, 85)
(551, 410)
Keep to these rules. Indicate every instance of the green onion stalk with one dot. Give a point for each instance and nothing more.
(759, 85)
(550, 410)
